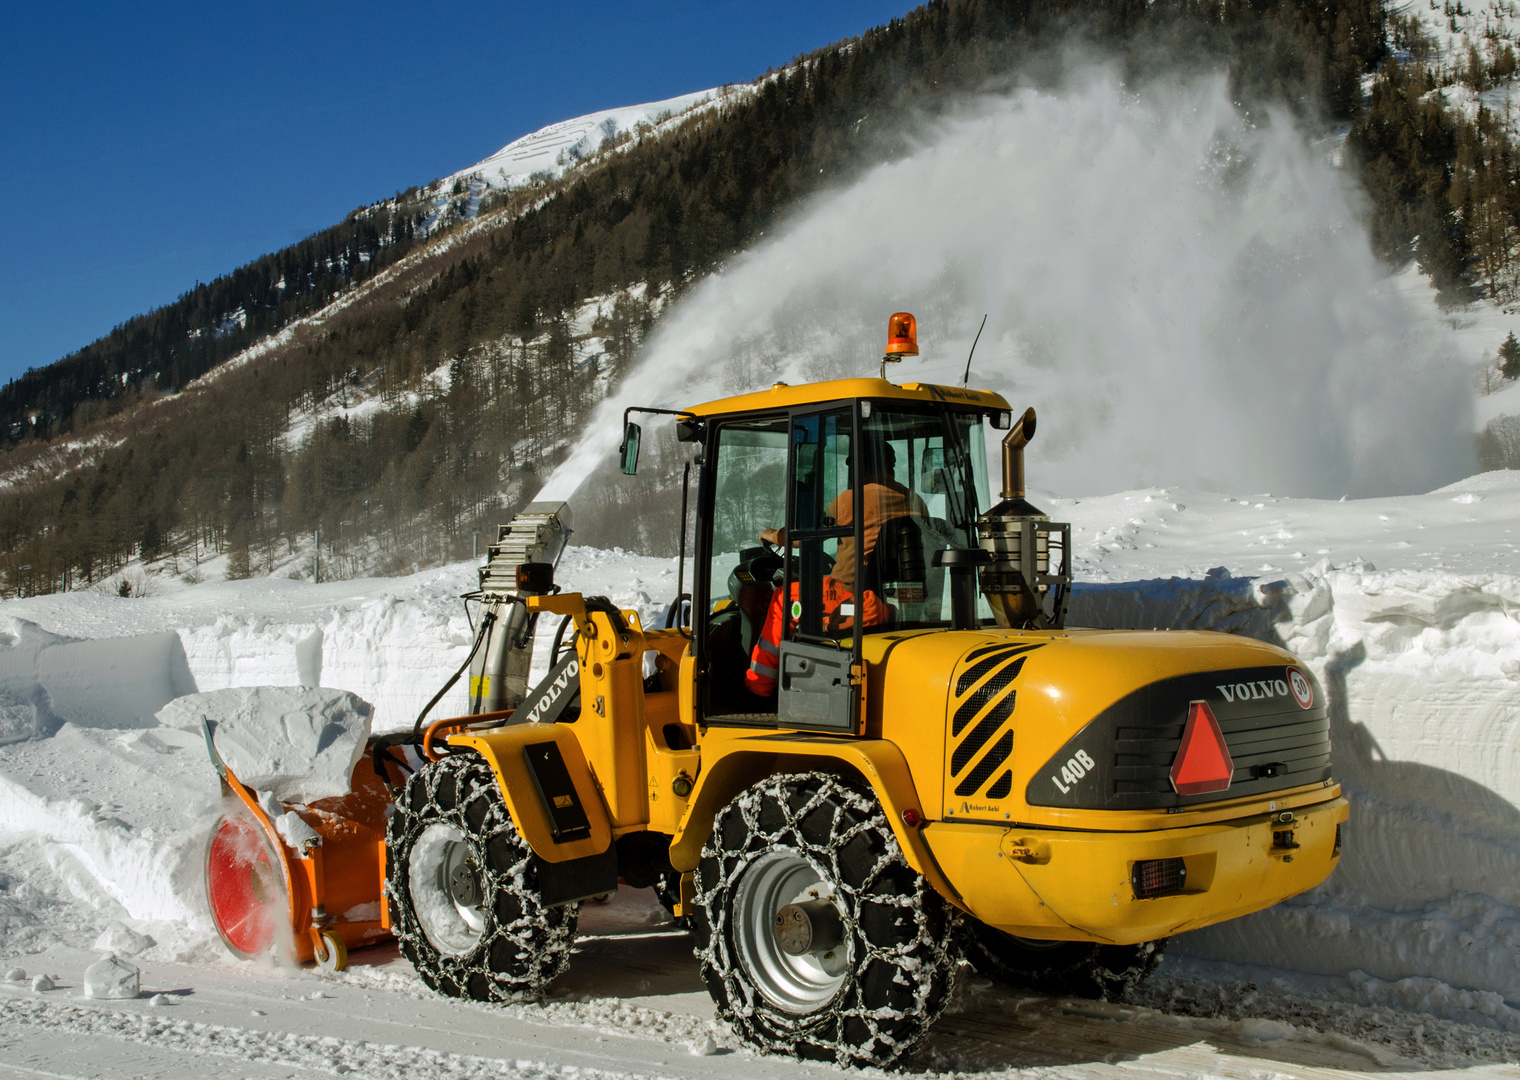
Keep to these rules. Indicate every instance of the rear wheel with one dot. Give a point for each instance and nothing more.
(464, 890)
(1072, 968)
(815, 937)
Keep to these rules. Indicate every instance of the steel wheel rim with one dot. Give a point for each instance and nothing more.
(795, 984)
(452, 928)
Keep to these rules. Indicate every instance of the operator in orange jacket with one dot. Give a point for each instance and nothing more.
(884, 499)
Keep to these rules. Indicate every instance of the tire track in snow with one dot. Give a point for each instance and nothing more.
(325, 1054)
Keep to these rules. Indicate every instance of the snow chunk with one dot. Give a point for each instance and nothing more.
(15, 975)
(704, 1047)
(18, 717)
(158, 1000)
(41, 983)
(121, 938)
(368, 912)
(294, 831)
(111, 978)
(300, 743)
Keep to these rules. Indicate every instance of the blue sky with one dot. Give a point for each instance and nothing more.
(145, 147)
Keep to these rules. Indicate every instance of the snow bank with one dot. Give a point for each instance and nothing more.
(107, 682)
(1423, 673)
(300, 744)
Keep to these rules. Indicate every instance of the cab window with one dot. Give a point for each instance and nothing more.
(923, 469)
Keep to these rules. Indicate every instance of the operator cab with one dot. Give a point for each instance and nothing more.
(832, 511)
(857, 496)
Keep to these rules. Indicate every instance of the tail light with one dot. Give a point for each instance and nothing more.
(1158, 877)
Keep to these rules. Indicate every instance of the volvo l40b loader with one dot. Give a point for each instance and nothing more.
(858, 754)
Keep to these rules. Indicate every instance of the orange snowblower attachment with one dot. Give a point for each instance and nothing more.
(314, 902)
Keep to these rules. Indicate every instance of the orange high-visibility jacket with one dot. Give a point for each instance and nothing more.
(765, 658)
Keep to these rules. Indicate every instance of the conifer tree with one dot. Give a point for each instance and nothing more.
(1509, 357)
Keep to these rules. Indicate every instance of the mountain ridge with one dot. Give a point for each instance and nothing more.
(494, 291)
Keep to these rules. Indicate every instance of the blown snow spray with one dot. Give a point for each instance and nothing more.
(1189, 298)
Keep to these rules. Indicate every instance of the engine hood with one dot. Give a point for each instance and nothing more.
(1041, 724)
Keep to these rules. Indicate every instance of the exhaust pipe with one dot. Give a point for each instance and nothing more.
(1017, 539)
(1013, 454)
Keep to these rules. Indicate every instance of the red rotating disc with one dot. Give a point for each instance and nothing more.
(244, 886)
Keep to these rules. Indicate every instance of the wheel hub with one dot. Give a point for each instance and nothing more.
(464, 885)
(790, 932)
(811, 927)
(446, 891)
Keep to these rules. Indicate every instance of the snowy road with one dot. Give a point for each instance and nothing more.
(632, 1005)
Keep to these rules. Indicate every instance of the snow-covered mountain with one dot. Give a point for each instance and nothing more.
(549, 151)
(561, 147)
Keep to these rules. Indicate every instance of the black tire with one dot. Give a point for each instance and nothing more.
(870, 999)
(1069, 968)
(504, 946)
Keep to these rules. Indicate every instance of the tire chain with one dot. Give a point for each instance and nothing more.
(863, 1025)
(1075, 969)
(525, 944)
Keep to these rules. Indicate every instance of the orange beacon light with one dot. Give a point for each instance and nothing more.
(902, 336)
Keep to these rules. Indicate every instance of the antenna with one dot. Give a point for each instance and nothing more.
(966, 379)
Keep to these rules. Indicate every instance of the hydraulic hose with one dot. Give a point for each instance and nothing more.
(559, 639)
(487, 620)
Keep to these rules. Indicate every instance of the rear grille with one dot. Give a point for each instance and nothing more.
(1277, 748)
(1158, 877)
(1126, 752)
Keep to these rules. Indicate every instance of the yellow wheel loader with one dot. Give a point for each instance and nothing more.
(856, 755)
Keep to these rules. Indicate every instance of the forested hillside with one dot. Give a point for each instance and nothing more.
(475, 354)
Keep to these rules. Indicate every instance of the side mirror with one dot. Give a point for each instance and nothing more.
(630, 448)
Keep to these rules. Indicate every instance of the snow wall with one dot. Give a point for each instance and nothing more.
(1422, 670)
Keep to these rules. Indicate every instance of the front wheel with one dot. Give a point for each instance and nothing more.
(816, 939)
(465, 902)
(1072, 968)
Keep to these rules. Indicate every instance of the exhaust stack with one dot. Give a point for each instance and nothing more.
(1013, 455)
(1018, 537)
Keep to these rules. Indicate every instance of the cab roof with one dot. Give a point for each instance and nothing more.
(782, 396)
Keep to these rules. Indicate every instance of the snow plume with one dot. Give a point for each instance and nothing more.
(1188, 298)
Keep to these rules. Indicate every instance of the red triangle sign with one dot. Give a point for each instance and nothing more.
(1203, 760)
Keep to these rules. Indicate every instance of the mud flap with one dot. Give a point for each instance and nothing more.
(577, 879)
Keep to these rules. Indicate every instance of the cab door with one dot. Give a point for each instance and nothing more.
(821, 638)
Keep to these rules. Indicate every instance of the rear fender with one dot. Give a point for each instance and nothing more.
(504, 750)
(748, 760)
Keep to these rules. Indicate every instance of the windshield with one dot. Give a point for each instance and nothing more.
(923, 472)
